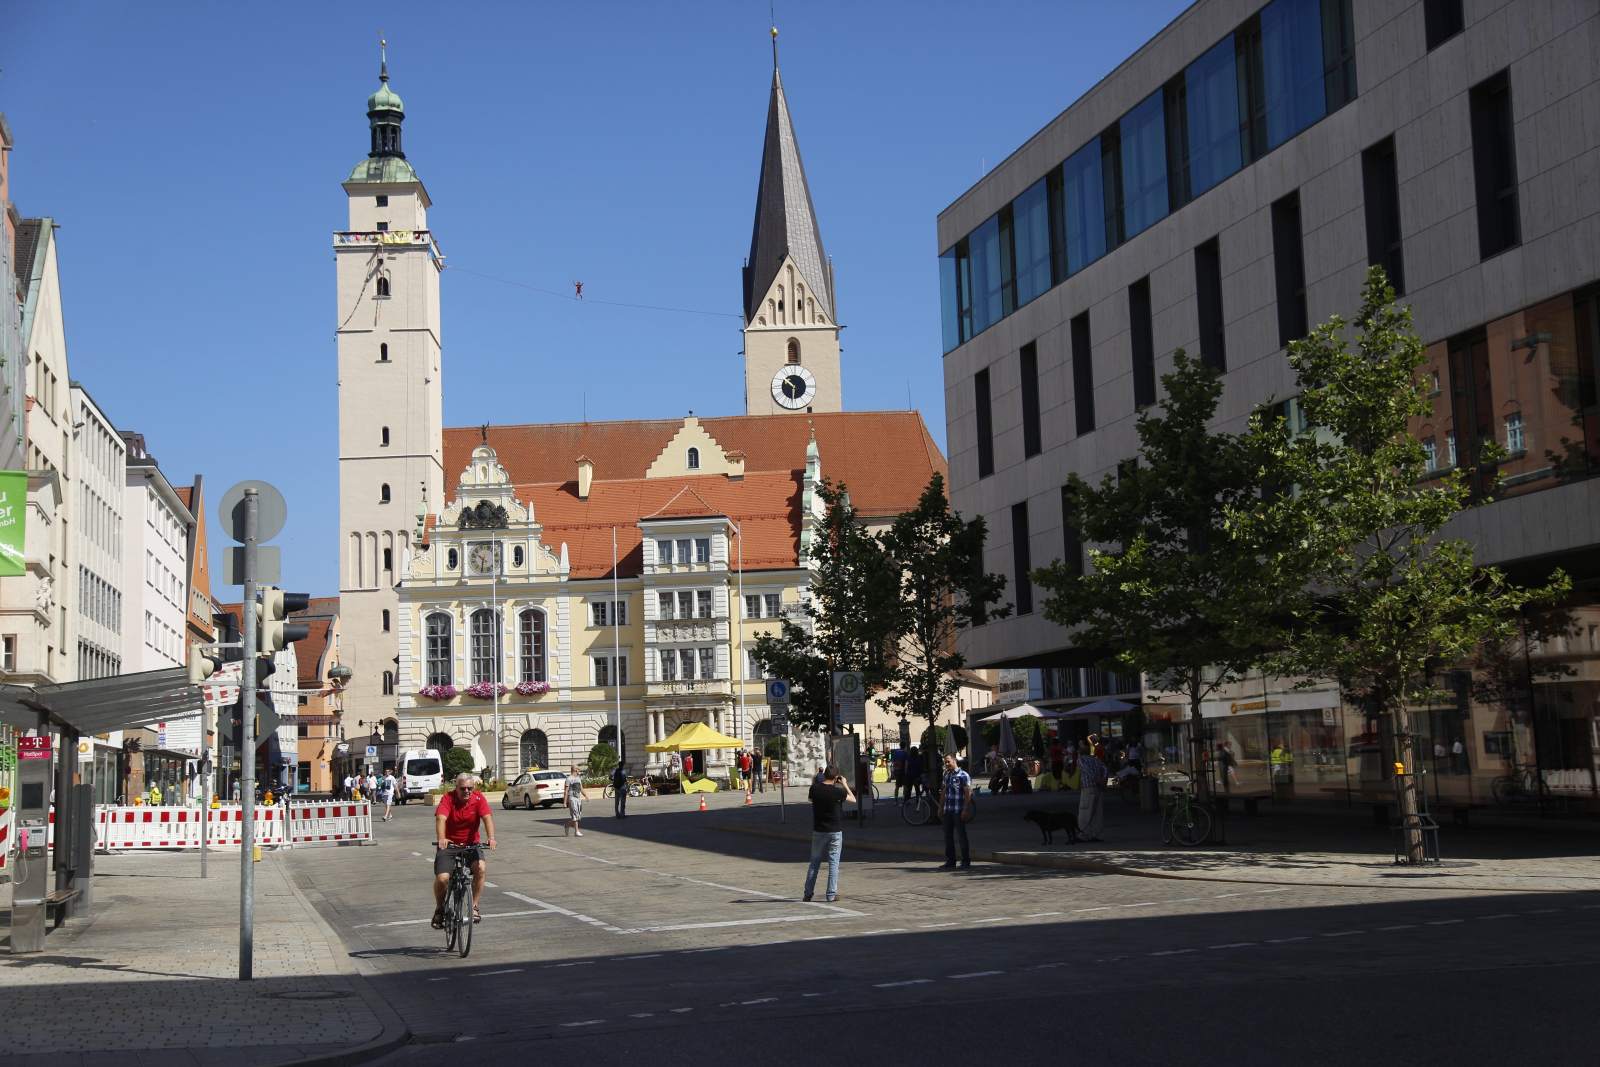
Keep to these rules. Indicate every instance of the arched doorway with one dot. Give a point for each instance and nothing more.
(760, 734)
(441, 743)
(535, 748)
(391, 732)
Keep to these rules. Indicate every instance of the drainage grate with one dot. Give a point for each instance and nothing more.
(310, 994)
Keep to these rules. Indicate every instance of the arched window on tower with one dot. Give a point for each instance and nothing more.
(694, 459)
(386, 437)
(388, 683)
(383, 493)
(383, 286)
(383, 353)
(794, 351)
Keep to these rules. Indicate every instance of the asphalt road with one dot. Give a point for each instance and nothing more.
(657, 934)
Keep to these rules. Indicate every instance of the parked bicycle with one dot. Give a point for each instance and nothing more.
(1185, 820)
(458, 900)
(1519, 787)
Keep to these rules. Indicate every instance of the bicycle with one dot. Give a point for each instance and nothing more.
(458, 900)
(1519, 787)
(1185, 821)
(916, 809)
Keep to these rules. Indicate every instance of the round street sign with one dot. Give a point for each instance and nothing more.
(777, 691)
(271, 512)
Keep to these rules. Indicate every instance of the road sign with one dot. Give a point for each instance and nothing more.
(372, 750)
(850, 697)
(271, 511)
(777, 692)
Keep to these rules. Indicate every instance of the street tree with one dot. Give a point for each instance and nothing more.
(935, 558)
(1395, 600)
(1175, 589)
(847, 615)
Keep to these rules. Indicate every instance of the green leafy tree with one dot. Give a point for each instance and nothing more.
(936, 559)
(1176, 589)
(849, 615)
(1395, 600)
(602, 758)
(457, 761)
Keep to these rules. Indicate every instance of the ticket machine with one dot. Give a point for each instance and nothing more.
(31, 878)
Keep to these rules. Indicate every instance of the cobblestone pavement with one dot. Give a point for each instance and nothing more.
(663, 931)
(151, 975)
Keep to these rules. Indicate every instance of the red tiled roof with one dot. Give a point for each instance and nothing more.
(766, 506)
(186, 495)
(885, 458)
(319, 605)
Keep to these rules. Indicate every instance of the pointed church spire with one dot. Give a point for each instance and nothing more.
(785, 222)
(383, 60)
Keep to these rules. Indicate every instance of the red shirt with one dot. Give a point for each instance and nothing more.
(461, 819)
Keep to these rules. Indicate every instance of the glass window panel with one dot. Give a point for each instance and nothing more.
(774, 605)
(702, 550)
(531, 658)
(752, 606)
(683, 551)
(485, 646)
(669, 665)
(438, 651)
(1144, 166)
(686, 604)
(1212, 90)
(1291, 53)
(686, 663)
(1031, 225)
(708, 663)
(986, 281)
(664, 601)
(948, 312)
(1085, 207)
(703, 603)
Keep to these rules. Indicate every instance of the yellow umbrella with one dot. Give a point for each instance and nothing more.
(693, 736)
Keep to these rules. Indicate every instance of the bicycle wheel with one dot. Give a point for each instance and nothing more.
(915, 810)
(1191, 824)
(463, 918)
(450, 920)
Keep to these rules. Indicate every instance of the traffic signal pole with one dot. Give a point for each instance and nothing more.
(247, 745)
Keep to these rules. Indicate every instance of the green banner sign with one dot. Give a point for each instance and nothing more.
(13, 522)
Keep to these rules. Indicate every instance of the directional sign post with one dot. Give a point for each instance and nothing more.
(778, 692)
(849, 698)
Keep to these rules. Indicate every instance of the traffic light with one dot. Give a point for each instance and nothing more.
(272, 633)
(202, 664)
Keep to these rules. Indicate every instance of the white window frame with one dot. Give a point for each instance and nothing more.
(1430, 456)
(702, 550)
(665, 599)
(685, 550)
(705, 604)
(708, 662)
(664, 553)
(1514, 422)
(772, 605)
(668, 661)
(752, 599)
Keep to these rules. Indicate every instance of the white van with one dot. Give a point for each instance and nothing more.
(421, 771)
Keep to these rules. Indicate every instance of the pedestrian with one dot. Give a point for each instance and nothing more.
(827, 829)
(386, 791)
(897, 769)
(1458, 756)
(619, 790)
(744, 772)
(913, 773)
(688, 764)
(1135, 756)
(349, 785)
(1091, 796)
(675, 765)
(155, 794)
(957, 811)
(757, 779)
(575, 799)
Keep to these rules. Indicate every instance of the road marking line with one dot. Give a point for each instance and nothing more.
(1079, 911)
(439, 979)
(726, 923)
(414, 922)
(813, 994)
(417, 854)
(974, 974)
(646, 956)
(936, 926)
(1500, 915)
(1037, 915)
(1046, 966)
(489, 885)
(681, 1011)
(643, 1015)
(908, 981)
(824, 937)
(572, 963)
(1171, 952)
(490, 974)
(1233, 944)
(586, 1022)
(1285, 940)
(1397, 926)
(996, 919)
(1543, 911)
(1444, 922)
(1345, 933)
(1142, 904)
(564, 911)
(758, 1000)
(892, 930)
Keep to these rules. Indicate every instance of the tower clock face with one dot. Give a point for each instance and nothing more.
(483, 558)
(794, 387)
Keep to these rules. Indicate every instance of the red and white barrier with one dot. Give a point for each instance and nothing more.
(312, 823)
(173, 827)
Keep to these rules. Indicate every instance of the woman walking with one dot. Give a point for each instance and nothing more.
(575, 799)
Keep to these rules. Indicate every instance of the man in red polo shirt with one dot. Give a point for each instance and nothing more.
(455, 823)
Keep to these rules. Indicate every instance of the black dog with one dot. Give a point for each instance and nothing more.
(1049, 822)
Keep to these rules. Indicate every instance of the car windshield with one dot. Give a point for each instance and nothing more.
(422, 766)
(551, 775)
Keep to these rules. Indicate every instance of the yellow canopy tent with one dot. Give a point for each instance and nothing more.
(693, 736)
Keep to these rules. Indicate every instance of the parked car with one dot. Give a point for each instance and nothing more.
(535, 788)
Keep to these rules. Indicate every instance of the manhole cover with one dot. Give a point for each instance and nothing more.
(310, 994)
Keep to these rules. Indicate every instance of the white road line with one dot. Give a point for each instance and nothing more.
(1171, 952)
(823, 937)
(564, 911)
(586, 1022)
(681, 1011)
(1080, 911)
(974, 974)
(439, 979)
(490, 885)
(813, 994)
(1233, 944)
(1285, 940)
(891, 930)
(1038, 915)
(726, 922)
(1345, 933)
(895, 985)
(1444, 922)
(1500, 915)
(490, 974)
(646, 956)
(758, 1000)
(996, 919)
(1142, 904)
(1588, 907)
(643, 1015)
(1543, 911)
(1397, 926)
(1047, 966)
(936, 926)
(417, 854)
(414, 922)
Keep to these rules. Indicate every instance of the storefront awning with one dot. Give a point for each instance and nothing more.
(100, 705)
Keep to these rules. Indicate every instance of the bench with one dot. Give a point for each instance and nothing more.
(55, 906)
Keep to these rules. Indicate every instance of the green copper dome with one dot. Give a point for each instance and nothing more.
(385, 99)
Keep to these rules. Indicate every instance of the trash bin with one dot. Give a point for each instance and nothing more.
(1149, 793)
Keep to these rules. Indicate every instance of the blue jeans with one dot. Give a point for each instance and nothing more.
(952, 827)
(829, 845)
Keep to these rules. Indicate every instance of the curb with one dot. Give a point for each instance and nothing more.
(394, 1032)
(1073, 863)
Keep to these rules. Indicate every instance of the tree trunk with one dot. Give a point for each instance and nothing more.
(1405, 755)
(1197, 746)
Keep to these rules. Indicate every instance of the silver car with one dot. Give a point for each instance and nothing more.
(535, 789)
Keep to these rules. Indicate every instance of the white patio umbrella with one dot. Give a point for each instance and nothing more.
(1108, 706)
(1021, 711)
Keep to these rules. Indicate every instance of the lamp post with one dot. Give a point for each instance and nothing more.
(739, 640)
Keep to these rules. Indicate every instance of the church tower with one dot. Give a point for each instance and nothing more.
(791, 335)
(390, 398)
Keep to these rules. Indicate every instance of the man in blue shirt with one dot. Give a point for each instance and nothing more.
(957, 802)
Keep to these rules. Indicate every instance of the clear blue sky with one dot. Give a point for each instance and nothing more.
(192, 155)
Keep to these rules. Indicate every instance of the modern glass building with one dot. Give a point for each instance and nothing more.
(1222, 190)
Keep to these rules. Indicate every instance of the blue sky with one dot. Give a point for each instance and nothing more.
(192, 155)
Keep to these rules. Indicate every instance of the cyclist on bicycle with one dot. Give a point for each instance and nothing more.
(455, 826)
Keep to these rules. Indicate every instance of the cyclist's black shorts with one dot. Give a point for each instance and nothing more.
(444, 859)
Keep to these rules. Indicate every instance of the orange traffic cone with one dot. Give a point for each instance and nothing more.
(702, 802)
